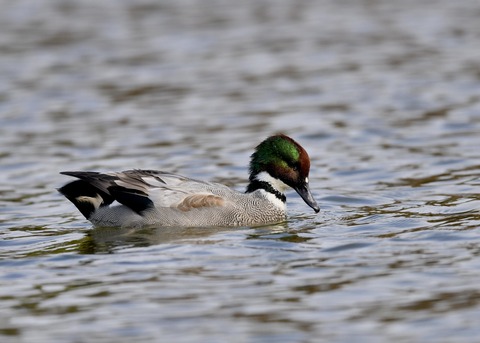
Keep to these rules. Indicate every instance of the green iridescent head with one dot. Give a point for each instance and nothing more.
(285, 160)
(280, 154)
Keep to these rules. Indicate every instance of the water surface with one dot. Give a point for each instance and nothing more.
(385, 97)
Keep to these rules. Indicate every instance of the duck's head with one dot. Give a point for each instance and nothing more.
(285, 162)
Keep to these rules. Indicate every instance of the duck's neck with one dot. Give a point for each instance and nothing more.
(269, 184)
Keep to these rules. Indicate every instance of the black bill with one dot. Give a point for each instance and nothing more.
(304, 191)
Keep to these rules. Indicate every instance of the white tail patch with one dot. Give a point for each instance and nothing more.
(95, 201)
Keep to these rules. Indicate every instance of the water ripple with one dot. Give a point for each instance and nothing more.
(384, 96)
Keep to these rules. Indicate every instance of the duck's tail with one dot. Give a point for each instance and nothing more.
(86, 195)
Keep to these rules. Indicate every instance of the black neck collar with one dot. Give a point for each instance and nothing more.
(256, 184)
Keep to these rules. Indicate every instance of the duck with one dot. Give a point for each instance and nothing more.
(140, 198)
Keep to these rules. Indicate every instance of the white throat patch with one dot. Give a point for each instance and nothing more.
(277, 185)
(274, 200)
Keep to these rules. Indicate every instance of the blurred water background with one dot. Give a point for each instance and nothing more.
(385, 97)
